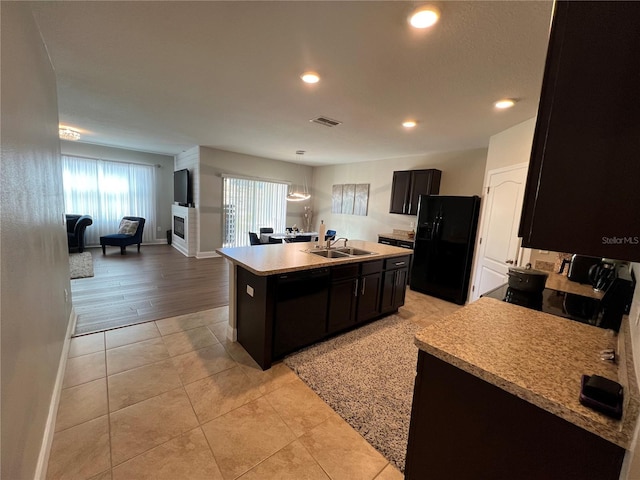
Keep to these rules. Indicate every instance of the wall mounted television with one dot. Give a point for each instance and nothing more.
(182, 188)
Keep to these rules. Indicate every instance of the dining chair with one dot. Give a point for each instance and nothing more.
(266, 230)
(254, 239)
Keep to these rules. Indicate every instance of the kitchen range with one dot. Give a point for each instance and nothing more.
(600, 303)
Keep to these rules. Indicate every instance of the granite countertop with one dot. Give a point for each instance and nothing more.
(556, 281)
(270, 259)
(402, 235)
(537, 357)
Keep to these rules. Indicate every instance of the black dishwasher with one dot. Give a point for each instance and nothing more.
(301, 309)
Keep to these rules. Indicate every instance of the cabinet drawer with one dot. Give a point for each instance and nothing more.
(397, 262)
(405, 244)
(344, 271)
(386, 241)
(371, 267)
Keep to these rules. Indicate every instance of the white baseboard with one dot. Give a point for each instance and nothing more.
(232, 333)
(207, 255)
(47, 438)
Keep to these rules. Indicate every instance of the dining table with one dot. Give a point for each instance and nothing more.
(286, 236)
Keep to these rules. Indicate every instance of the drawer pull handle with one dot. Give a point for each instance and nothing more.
(399, 263)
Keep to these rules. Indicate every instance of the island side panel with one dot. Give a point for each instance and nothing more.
(232, 326)
(254, 315)
(465, 428)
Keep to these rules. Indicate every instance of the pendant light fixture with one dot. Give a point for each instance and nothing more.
(299, 193)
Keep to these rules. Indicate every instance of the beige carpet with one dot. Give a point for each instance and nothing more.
(367, 377)
(80, 265)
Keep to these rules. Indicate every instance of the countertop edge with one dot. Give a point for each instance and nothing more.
(619, 432)
(622, 438)
(318, 262)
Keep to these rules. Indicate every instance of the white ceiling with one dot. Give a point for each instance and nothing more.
(165, 76)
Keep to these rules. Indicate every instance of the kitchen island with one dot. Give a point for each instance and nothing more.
(497, 396)
(283, 297)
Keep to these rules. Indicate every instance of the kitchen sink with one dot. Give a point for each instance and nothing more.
(344, 252)
(354, 251)
(328, 253)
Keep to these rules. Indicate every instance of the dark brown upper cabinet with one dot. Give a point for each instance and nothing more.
(583, 187)
(408, 185)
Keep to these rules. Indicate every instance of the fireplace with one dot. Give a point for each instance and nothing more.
(178, 226)
(185, 230)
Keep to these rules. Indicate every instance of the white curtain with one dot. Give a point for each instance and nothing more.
(250, 204)
(109, 191)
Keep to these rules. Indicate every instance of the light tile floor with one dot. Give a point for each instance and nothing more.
(173, 399)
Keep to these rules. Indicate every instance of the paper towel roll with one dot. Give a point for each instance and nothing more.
(322, 231)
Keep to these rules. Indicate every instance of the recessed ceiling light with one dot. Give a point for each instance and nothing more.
(424, 17)
(504, 103)
(310, 77)
(67, 133)
(409, 124)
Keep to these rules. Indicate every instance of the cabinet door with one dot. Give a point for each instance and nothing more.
(400, 287)
(582, 188)
(400, 192)
(394, 283)
(343, 296)
(369, 297)
(388, 286)
(423, 182)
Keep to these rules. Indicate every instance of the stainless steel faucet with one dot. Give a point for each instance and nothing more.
(330, 244)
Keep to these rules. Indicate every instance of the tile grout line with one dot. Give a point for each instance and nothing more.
(106, 380)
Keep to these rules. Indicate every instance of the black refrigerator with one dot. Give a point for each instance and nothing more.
(444, 243)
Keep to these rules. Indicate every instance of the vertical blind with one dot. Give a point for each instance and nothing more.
(109, 191)
(250, 204)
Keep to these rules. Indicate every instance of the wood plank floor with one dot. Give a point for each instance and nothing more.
(158, 282)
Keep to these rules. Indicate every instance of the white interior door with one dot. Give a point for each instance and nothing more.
(499, 245)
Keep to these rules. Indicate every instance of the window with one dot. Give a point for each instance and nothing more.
(109, 191)
(251, 204)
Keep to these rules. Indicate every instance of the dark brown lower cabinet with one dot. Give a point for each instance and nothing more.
(465, 428)
(394, 282)
(279, 314)
(343, 297)
(369, 291)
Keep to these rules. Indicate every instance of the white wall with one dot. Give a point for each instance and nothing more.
(34, 259)
(462, 174)
(164, 174)
(511, 146)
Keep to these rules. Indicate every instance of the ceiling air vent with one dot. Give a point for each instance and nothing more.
(327, 122)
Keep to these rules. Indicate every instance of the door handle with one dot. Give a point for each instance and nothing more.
(364, 281)
(510, 262)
